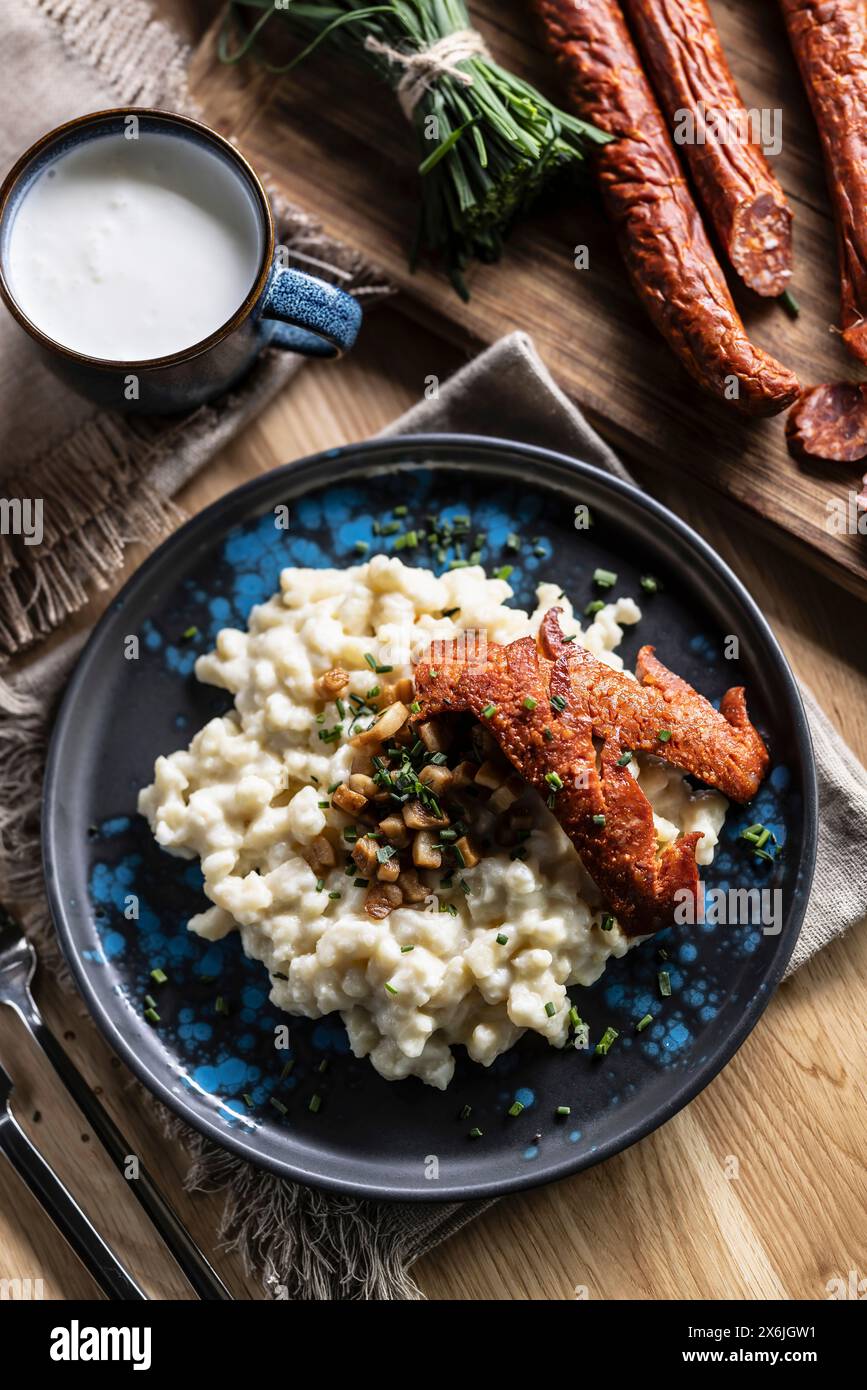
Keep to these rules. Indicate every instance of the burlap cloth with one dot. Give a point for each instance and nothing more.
(301, 1242)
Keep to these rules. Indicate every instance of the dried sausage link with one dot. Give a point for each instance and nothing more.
(670, 261)
(829, 39)
(741, 196)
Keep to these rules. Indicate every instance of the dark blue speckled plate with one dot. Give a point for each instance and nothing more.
(219, 1070)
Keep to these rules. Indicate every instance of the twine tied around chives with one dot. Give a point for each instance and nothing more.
(423, 66)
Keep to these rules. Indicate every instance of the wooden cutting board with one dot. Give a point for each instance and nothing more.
(332, 139)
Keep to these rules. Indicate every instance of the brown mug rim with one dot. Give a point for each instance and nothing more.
(196, 349)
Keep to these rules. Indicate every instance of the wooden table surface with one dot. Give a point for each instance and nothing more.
(756, 1189)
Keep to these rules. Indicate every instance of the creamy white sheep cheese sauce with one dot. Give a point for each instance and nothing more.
(252, 791)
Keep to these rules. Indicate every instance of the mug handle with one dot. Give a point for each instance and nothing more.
(309, 316)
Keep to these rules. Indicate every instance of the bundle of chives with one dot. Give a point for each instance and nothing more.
(488, 141)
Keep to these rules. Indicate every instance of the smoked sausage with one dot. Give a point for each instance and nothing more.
(829, 39)
(744, 202)
(829, 423)
(670, 261)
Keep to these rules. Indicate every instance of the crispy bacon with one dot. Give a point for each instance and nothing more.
(549, 704)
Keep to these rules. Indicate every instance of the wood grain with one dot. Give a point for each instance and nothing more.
(660, 1221)
(332, 140)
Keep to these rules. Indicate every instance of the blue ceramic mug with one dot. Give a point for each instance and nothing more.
(283, 307)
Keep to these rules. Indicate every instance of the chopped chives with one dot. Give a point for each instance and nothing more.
(574, 1017)
(604, 579)
(220, 1005)
(315, 1104)
(504, 572)
(323, 1065)
(649, 584)
(608, 1037)
(476, 1133)
(664, 983)
(529, 702)
(415, 707)
(450, 612)
(248, 1100)
(550, 1009)
(563, 1110)
(624, 759)
(502, 939)
(599, 820)
(549, 737)
(324, 805)
(360, 882)
(151, 1015)
(489, 711)
(790, 304)
(371, 660)
(150, 1001)
(643, 1023)
(466, 1112)
(278, 1105)
(558, 702)
(515, 1108)
(607, 922)
(335, 895)
(287, 1068)
(390, 987)
(159, 976)
(554, 780)
(399, 511)
(593, 608)
(190, 632)
(404, 950)
(664, 735)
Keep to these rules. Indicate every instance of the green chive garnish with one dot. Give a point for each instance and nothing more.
(515, 1108)
(604, 579)
(315, 1104)
(404, 950)
(644, 1023)
(476, 1133)
(664, 735)
(624, 759)
(190, 632)
(607, 922)
(390, 987)
(489, 711)
(502, 939)
(649, 584)
(664, 983)
(466, 1112)
(529, 702)
(608, 1037)
(558, 702)
(151, 1015)
(598, 820)
(563, 1110)
(278, 1105)
(550, 1009)
(158, 976)
(790, 304)
(504, 572)
(592, 608)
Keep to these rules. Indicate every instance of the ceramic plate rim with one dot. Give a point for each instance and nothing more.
(356, 457)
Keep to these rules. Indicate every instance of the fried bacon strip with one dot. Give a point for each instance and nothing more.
(549, 703)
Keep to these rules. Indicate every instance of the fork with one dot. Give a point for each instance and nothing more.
(60, 1205)
(17, 967)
